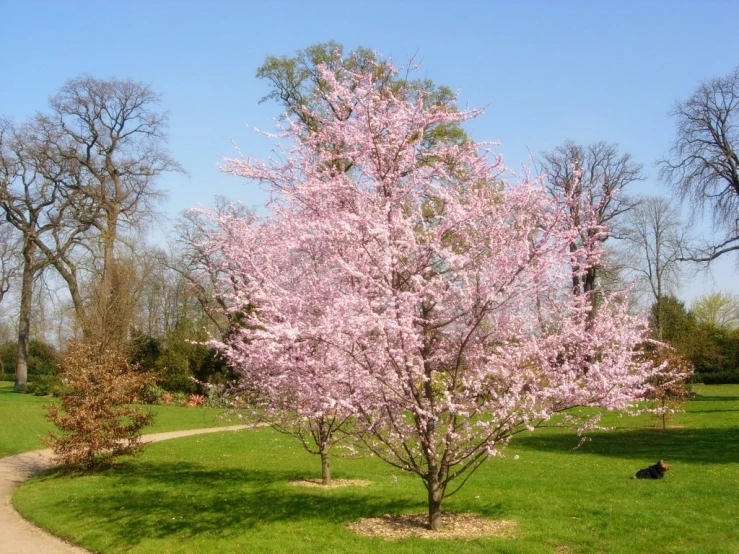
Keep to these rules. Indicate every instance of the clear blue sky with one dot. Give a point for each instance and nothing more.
(545, 71)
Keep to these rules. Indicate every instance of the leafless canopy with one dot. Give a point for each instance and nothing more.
(604, 170)
(702, 165)
(197, 264)
(654, 237)
(34, 202)
(110, 137)
(9, 259)
(112, 133)
(604, 173)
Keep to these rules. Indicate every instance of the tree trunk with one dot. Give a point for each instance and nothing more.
(435, 497)
(24, 320)
(664, 414)
(325, 467)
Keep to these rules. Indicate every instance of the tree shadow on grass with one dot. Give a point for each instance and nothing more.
(158, 500)
(702, 398)
(703, 446)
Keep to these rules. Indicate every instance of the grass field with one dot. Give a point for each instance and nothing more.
(231, 493)
(23, 422)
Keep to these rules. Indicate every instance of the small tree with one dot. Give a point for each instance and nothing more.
(293, 386)
(670, 387)
(95, 416)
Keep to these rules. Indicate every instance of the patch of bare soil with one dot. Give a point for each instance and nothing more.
(335, 483)
(453, 526)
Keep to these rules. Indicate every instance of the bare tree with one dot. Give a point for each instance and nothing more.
(703, 162)
(654, 238)
(198, 265)
(35, 203)
(603, 175)
(10, 261)
(110, 136)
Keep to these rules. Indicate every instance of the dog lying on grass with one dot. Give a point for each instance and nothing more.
(657, 471)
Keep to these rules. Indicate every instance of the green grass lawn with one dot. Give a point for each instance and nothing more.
(230, 493)
(23, 422)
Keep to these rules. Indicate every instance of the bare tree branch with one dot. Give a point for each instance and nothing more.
(654, 238)
(703, 162)
(110, 136)
(604, 174)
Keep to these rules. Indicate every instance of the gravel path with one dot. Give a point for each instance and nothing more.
(18, 536)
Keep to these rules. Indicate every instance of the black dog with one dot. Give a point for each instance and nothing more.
(657, 471)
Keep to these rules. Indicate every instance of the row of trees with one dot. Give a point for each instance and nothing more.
(76, 183)
(77, 193)
(78, 189)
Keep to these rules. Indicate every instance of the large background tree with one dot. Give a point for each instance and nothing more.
(301, 84)
(37, 204)
(199, 267)
(653, 241)
(594, 176)
(717, 309)
(703, 162)
(78, 183)
(110, 137)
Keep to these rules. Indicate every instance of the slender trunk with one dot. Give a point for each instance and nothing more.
(325, 467)
(323, 441)
(105, 292)
(664, 414)
(589, 288)
(24, 320)
(67, 270)
(660, 302)
(435, 495)
(113, 329)
(433, 483)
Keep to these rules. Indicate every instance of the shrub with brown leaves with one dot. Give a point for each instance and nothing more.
(96, 420)
(195, 400)
(670, 388)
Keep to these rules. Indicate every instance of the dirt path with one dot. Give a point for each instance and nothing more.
(18, 536)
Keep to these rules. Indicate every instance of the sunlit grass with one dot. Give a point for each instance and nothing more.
(22, 421)
(230, 493)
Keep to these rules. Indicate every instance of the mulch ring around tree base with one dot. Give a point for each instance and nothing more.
(453, 526)
(335, 483)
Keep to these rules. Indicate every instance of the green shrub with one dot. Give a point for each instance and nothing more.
(176, 360)
(43, 358)
(717, 378)
(179, 398)
(152, 394)
(43, 385)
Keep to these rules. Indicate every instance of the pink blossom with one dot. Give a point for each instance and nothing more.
(416, 287)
